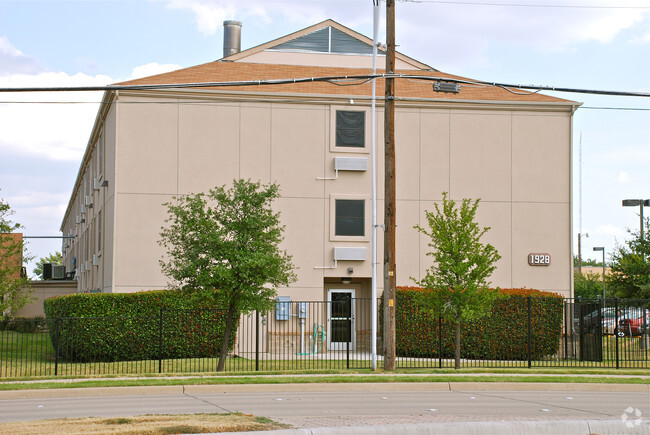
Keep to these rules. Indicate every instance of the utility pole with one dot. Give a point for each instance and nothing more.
(389, 194)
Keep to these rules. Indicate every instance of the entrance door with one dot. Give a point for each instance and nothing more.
(340, 319)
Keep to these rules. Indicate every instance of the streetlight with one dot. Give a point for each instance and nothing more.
(601, 248)
(640, 203)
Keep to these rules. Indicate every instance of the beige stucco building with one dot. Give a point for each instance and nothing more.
(510, 149)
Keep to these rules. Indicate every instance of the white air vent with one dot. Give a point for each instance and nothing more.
(350, 253)
(351, 163)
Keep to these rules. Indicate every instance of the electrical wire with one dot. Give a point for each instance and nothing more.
(524, 5)
(362, 78)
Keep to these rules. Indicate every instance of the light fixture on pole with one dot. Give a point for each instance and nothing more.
(602, 248)
(641, 203)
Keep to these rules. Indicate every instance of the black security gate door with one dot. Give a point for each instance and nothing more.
(591, 331)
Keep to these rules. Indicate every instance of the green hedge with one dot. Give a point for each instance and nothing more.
(501, 335)
(134, 326)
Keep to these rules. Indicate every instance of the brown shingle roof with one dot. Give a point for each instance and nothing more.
(405, 88)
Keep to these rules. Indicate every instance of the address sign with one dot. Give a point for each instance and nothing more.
(539, 259)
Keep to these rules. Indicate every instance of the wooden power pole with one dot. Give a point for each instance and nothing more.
(389, 194)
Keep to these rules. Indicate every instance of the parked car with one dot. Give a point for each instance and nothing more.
(633, 321)
(608, 319)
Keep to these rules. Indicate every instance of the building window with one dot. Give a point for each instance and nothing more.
(350, 217)
(350, 129)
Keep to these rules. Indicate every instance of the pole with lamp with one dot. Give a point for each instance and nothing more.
(601, 248)
(641, 203)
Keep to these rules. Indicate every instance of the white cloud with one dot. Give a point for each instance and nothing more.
(7, 48)
(13, 61)
(151, 69)
(610, 230)
(209, 15)
(55, 124)
(623, 177)
(643, 39)
(52, 124)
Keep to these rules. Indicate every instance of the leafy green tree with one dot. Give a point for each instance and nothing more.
(461, 265)
(589, 262)
(587, 285)
(14, 285)
(223, 246)
(630, 267)
(54, 258)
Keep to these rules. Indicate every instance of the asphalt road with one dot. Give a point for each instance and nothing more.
(338, 405)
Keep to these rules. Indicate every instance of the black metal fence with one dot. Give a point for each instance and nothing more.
(299, 336)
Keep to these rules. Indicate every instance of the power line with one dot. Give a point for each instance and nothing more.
(524, 5)
(361, 78)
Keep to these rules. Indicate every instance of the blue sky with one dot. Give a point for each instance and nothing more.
(593, 44)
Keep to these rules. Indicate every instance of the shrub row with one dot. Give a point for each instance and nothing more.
(24, 324)
(134, 326)
(500, 335)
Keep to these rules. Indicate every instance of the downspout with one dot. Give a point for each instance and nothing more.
(373, 255)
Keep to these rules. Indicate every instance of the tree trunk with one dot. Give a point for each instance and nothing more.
(457, 347)
(223, 352)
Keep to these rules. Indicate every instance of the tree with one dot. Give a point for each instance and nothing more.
(223, 246)
(462, 265)
(54, 258)
(630, 267)
(14, 285)
(589, 262)
(587, 285)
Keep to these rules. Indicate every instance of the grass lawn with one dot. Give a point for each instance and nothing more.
(144, 425)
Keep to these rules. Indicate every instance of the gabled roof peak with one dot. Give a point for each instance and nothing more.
(325, 38)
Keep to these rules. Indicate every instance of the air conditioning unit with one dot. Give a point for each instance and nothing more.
(47, 271)
(351, 163)
(78, 219)
(89, 199)
(82, 209)
(95, 260)
(350, 253)
(58, 271)
(96, 184)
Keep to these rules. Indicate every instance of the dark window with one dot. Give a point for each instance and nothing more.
(350, 129)
(350, 217)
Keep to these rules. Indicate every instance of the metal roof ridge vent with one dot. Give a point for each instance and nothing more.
(231, 37)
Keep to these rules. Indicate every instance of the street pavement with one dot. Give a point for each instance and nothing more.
(409, 408)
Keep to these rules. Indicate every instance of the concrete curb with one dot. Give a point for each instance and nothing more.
(537, 427)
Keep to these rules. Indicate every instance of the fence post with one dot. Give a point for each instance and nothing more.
(56, 346)
(160, 340)
(529, 344)
(616, 328)
(439, 341)
(257, 341)
(348, 338)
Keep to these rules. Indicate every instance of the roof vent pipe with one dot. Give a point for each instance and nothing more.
(231, 37)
